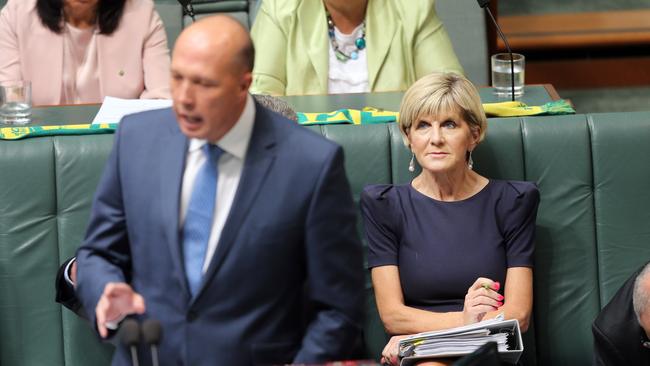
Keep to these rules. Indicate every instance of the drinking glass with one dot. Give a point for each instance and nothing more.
(501, 73)
(15, 102)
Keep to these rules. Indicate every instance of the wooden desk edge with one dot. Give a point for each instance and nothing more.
(550, 89)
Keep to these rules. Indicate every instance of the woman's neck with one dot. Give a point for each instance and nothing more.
(449, 186)
(347, 14)
(80, 17)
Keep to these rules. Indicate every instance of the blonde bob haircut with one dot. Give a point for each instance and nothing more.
(440, 94)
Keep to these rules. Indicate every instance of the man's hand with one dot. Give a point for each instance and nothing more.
(117, 301)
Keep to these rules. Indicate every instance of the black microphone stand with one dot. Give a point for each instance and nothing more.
(152, 334)
(130, 337)
(485, 5)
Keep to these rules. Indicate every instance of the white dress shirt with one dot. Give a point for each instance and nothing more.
(230, 165)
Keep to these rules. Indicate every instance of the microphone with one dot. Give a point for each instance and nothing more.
(130, 337)
(152, 334)
(188, 9)
(485, 5)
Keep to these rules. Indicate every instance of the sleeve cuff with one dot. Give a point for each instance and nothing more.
(66, 272)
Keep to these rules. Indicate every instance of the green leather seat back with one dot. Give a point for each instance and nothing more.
(78, 167)
(591, 225)
(367, 160)
(31, 322)
(465, 22)
(621, 195)
(171, 14)
(47, 186)
(558, 158)
(237, 9)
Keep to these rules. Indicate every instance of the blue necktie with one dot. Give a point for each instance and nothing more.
(198, 219)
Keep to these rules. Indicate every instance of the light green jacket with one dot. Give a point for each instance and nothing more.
(405, 41)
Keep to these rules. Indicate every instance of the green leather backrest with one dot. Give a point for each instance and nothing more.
(591, 226)
(237, 9)
(171, 14)
(621, 196)
(465, 23)
(46, 190)
(557, 157)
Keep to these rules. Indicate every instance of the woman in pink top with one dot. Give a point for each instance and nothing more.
(79, 51)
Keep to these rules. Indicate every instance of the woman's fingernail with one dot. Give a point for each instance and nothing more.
(500, 298)
(499, 304)
(496, 286)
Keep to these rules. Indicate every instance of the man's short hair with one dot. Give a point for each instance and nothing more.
(277, 105)
(641, 294)
(247, 55)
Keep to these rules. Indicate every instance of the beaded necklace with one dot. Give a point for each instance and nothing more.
(360, 43)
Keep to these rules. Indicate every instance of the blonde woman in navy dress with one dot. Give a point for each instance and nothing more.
(451, 247)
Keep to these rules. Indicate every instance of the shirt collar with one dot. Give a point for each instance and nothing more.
(234, 142)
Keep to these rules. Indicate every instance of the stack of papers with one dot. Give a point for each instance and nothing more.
(113, 109)
(464, 340)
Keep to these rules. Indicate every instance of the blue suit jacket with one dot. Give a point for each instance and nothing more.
(289, 242)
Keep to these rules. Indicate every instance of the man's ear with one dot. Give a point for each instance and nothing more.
(246, 81)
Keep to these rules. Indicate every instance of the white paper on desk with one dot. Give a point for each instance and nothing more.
(113, 109)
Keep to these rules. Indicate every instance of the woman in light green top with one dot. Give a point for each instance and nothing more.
(338, 46)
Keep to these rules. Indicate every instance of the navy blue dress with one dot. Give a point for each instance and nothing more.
(441, 248)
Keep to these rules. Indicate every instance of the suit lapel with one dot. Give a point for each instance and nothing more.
(311, 19)
(172, 160)
(259, 159)
(381, 27)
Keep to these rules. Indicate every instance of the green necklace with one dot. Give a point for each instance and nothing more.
(360, 43)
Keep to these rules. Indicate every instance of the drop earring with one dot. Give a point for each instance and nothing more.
(412, 163)
(470, 161)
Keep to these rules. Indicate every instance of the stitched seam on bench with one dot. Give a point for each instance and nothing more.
(57, 213)
(590, 125)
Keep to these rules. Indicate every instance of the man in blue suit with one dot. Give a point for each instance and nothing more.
(224, 221)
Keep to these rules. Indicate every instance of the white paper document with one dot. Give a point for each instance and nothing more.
(113, 109)
(464, 340)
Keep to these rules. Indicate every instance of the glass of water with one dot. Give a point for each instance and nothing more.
(15, 102)
(501, 72)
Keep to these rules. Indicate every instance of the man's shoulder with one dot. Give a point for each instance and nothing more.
(152, 118)
(147, 125)
(617, 321)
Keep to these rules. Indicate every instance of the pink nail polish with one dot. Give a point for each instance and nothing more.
(500, 298)
(499, 304)
(496, 286)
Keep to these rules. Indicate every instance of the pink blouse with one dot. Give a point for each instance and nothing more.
(80, 67)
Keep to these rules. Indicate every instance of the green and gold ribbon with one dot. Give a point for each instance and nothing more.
(368, 115)
(519, 109)
(21, 132)
(371, 115)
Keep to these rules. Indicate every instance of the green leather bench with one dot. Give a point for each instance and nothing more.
(592, 226)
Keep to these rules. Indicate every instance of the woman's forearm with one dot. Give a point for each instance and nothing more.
(408, 320)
